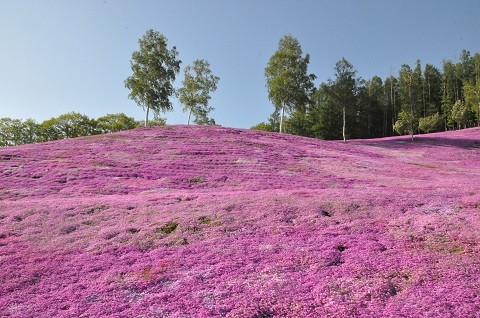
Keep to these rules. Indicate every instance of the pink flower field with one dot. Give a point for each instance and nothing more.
(191, 221)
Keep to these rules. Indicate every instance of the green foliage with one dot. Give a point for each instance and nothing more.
(431, 123)
(472, 98)
(371, 110)
(411, 96)
(406, 123)
(17, 132)
(10, 132)
(392, 105)
(204, 219)
(30, 131)
(195, 93)
(154, 69)
(115, 122)
(73, 125)
(263, 126)
(168, 227)
(344, 92)
(203, 119)
(49, 130)
(156, 121)
(288, 83)
(325, 117)
(432, 90)
(460, 114)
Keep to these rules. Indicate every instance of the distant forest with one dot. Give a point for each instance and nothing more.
(420, 99)
(14, 132)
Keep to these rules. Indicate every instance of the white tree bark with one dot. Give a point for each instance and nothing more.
(146, 116)
(281, 117)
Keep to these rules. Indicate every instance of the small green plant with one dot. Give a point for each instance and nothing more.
(168, 227)
(196, 180)
(204, 219)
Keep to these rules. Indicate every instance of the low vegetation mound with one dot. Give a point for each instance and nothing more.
(189, 221)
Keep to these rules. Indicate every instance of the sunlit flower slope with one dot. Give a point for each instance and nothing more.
(188, 221)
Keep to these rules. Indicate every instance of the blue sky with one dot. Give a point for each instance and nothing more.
(63, 56)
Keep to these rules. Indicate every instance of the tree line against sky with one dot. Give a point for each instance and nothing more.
(419, 99)
(14, 132)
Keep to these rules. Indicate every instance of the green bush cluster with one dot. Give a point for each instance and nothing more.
(14, 132)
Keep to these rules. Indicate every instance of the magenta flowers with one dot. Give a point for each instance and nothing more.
(193, 221)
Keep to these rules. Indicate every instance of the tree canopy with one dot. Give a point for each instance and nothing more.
(198, 83)
(154, 68)
(288, 82)
(14, 132)
(417, 99)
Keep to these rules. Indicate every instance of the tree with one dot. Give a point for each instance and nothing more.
(10, 132)
(406, 123)
(154, 71)
(73, 125)
(392, 104)
(263, 126)
(460, 114)
(115, 122)
(450, 91)
(49, 130)
(433, 88)
(195, 93)
(411, 95)
(466, 68)
(431, 123)
(472, 98)
(344, 90)
(325, 116)
(30, 131)
(289, 86)
(371, 109)
(201, 118)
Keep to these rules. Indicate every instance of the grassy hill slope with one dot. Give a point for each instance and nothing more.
(188, 221)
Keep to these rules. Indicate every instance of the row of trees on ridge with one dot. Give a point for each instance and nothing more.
(14, 132)
(419, 99)
(155, 68)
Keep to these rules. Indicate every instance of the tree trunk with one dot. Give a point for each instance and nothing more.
(411, 110)
(343, 130)
(281, 117)
(394, 115)
(146, 116)
(423, 100)
(189, 115)
(478, 115)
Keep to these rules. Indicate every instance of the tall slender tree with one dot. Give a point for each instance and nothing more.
(198, 83)
(433, 85)
(154, 69)
(450, 91)
(344, 90)
(288, 82)
(391, 105)
(372, 112)
(472, 98)
(410, 88)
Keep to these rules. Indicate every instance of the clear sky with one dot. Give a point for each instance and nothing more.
(63, 56)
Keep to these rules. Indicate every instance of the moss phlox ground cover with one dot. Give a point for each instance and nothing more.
(189, 221)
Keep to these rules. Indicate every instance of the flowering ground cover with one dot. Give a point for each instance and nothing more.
(188, 221)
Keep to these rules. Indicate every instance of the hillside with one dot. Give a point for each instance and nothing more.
(188, 221)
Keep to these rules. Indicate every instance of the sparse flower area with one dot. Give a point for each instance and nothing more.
(190, 221)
